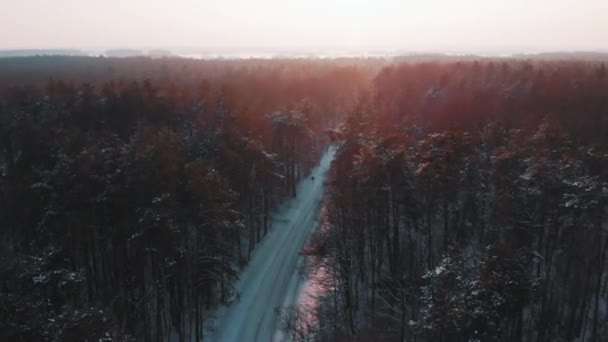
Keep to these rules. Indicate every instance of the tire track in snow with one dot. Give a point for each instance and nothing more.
(271, 278)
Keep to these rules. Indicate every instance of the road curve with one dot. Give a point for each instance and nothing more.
(271, 279)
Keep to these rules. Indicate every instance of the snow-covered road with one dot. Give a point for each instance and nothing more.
(271, 279)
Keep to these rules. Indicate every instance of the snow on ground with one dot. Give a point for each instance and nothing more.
(272, 279)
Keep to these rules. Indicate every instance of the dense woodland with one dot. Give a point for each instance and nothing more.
(467, 202)
(130, 203)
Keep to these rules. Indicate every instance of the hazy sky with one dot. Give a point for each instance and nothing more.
(455, 25)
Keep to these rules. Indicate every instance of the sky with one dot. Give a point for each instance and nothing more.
(421, 25)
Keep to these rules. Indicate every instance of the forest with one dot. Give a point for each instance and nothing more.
(468, 202)
(468, 199)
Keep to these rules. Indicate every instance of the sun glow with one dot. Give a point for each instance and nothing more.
(433, 25)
